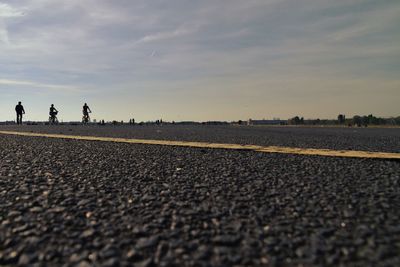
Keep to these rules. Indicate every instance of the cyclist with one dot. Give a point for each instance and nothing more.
(53, 114)
(86, 110)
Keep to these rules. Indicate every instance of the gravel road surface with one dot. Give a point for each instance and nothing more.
(369, 139)
(83, 203)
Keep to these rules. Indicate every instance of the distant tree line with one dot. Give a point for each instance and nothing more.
(297, 121)
(357, 120)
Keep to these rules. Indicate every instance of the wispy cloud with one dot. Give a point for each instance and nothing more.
(3, 34)
(39, 85)
(7, 11)
(159, 36)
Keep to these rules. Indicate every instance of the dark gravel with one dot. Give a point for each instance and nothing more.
(81, 203)
(369, 139)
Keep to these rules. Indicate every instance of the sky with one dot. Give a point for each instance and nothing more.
(200, 60)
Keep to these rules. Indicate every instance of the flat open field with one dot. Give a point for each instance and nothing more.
(83, 203)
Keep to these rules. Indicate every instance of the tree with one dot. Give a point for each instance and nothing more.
(397, 120)
(296, 120)
(365, 120)
(357, 120)
(341, 118)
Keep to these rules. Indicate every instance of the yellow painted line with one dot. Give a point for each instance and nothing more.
(264, 149)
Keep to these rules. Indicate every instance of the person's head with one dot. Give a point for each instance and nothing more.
(52, 105)
(19, 103)
(85, 104)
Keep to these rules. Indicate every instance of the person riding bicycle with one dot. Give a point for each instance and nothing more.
(53, 114)
(86, 110)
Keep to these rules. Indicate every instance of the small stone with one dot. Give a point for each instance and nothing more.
(14, 213)
(108, 252)
(145, 242)
(83, 202)
(131, 254)
(148, 197)
(57, 209)
(264, 260)
(300, 252)
(83, 264)
(145, 263)
(111, 262)
(77, 257)
(20, 228)
(24, 259)
(162, 249)
(93, 256)
(203, 252)
(36, 209)
(87, 233)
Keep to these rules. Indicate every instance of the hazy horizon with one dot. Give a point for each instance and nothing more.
(200, 60)
(93, 119)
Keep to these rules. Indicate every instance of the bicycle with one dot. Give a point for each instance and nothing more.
(85, 118)
(53, 118)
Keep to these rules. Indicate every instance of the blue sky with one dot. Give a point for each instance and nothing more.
(200, 60)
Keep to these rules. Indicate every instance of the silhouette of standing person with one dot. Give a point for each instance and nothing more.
(19, 109)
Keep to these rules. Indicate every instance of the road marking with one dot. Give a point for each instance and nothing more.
(256, 148)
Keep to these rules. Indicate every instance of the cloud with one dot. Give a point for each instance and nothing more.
(7, 11)
(166, 35)
(38, 85)
(3, 34)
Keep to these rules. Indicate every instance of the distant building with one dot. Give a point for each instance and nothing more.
(266, 122)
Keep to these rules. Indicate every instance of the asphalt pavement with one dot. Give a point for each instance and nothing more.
(85, 203)
(348, 138)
